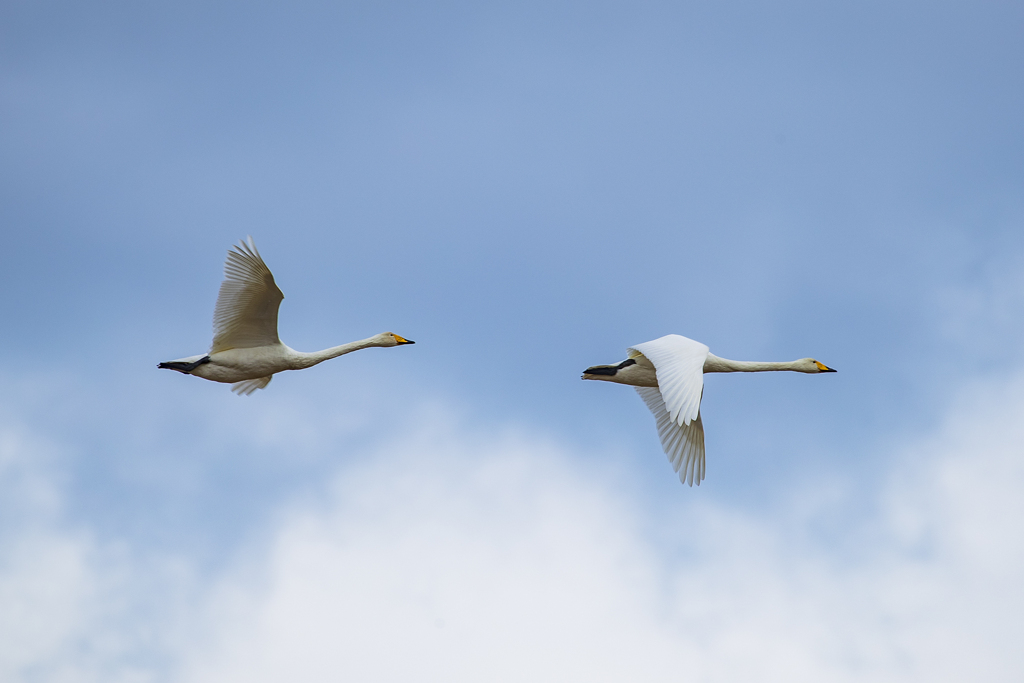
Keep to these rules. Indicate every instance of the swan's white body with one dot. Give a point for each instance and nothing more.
(246, 351)
(668, 373)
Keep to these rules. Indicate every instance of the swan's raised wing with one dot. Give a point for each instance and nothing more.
(246, 312)
(679, 365)
(683, 444)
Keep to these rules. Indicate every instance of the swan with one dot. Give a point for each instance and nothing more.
(668, 373)
(246, 352)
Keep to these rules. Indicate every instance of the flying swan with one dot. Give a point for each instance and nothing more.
(668, 373)
(246, 351)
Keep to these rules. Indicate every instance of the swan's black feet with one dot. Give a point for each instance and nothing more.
(183, 367)
(609, 369)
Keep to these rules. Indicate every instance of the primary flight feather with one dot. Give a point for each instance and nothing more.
(246, 351)
(668, 373)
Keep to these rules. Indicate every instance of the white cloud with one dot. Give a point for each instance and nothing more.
(452, 555)
(73, 608)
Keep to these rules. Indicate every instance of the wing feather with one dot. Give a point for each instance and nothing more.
(246, 311)
(683, 444)
(679, 364)
(247, 386)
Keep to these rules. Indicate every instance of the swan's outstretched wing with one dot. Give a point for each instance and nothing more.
(683, 444)
(679, 364)
(246, 312)
(247, 386)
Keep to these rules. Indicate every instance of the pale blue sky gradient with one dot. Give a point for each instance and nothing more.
(525, 190)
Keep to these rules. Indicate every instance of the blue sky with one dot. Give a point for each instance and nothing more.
(525, 190)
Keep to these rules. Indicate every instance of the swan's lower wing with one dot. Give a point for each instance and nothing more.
(247, 386)
(683, 444)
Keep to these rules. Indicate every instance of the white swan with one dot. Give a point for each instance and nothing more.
(668, 373)
(246, 351)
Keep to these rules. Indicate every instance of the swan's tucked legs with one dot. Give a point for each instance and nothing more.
(611, 370)
(184, 367)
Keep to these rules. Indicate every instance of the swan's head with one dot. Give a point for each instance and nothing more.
(811, 366)
(392, 339)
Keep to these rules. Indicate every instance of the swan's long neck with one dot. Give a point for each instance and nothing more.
(716, 364)
(308, 360)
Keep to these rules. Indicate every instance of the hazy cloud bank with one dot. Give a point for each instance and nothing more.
(449, 554)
